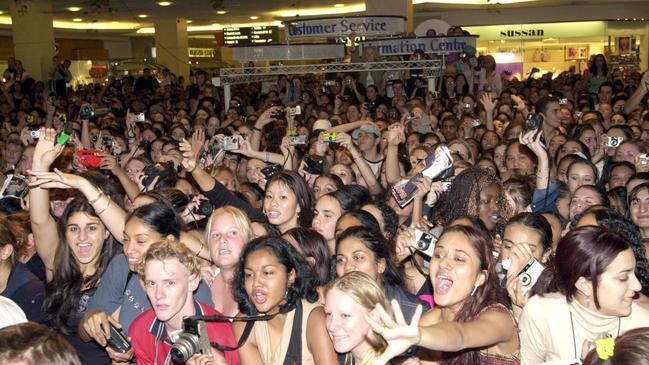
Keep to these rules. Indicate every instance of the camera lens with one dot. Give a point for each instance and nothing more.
(526, 279)
(184, 348)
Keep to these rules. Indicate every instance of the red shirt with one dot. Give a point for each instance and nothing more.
(146, 326)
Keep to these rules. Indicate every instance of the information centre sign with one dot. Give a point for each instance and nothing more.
(405, 46)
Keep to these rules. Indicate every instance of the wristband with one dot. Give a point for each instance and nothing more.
(101, 193)
(254, 128)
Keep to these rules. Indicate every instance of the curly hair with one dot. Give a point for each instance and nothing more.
(463, 197)
(305, 283)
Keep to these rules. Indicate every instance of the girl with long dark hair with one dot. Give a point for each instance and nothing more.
(471, 323)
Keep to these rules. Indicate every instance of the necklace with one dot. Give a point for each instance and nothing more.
(574, 338)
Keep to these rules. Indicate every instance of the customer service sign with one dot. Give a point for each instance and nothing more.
(333, 27)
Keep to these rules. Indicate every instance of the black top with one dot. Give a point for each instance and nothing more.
(27, 291)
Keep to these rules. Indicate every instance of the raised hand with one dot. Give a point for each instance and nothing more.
(397, 333)
(532, 140)
(56, 179)
(47, 150)
(487, 102)
(396, 134)
(190, 156)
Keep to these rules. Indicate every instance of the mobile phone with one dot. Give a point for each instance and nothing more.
(118, 340)
(89, 158)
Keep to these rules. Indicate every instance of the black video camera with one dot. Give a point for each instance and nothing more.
(162, 170)
(204, 208)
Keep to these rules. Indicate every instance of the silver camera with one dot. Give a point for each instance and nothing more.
(139, 117)
(614, 141)
(230, 143)
(291, 112)
(531, 273)
(35, 133)
(191, 341)
(424, 242)
(297, 140)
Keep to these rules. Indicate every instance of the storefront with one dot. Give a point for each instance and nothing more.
(558, 47)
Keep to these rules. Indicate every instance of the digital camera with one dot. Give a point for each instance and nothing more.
(329, 137)
(35, 133)
(532, 123)
(296, 140)
(193, 340)
(230, 143)
(204, 208)
(531, 273)
(614, 141)
(270, 171)
(89, 158)
(118, 340)
(315, 165)
(139, 117)
(424, 242)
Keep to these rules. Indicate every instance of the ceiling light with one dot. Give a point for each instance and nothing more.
(221, 12)
(339, 5)
(254, 17)
(164, 3)
(77, 20)
(2, 12)
(74, 8)
(189, 21)
(331, 10)
(142, 16)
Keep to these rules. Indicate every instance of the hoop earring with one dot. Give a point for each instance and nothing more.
(474, 289)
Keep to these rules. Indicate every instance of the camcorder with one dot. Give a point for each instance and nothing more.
(204, 207)
(88, 112)
(272, 170)
(162, 170)
(314, 165)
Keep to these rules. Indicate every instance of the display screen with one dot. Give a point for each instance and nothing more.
(251, 35)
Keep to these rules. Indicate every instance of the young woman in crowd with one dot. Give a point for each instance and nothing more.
(328, 209)
(227, 233)
(288, 203)
(76, 258)
(590, 293)
(349, 299)
(273, 279)
(475, 192)
(361, 248)
(470, 323)
(315, 250)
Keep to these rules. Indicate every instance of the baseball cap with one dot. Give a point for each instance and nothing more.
(367, 128)
(321, 125)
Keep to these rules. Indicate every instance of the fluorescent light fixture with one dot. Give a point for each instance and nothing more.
(254, 17)
(189, 21)
(77, 20)
(469, 2)
(339, 5)
(142, 16)
(74, 8)
(221, 12)
(164, 3)
(2, 12)
(332, 10)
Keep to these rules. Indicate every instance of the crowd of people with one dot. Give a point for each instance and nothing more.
(144, 220)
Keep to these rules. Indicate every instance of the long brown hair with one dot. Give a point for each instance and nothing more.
(486, 294)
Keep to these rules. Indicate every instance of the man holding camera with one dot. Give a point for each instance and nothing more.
(171, 273)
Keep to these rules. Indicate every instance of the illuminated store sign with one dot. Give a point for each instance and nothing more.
(539, 30)
(404, 46)
(332, 27)
(201, 52)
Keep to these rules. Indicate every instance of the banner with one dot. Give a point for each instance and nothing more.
(405, 46)
(332, 27)
(289, 52)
